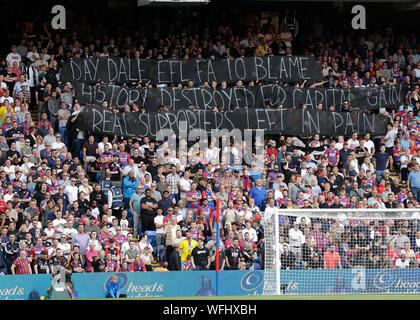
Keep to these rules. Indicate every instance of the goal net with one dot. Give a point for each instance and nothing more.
(335, 251)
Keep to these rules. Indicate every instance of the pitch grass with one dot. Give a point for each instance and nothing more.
(300, 297)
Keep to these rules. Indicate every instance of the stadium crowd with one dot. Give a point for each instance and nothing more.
(98, 203)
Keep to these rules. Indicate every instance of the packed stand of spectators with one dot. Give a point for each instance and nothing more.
(105, 203)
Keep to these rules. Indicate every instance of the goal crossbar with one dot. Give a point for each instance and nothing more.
(361, 214)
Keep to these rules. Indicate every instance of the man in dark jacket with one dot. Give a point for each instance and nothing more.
(12, 251)
(174, 261)
(3, 266)
(287, 259)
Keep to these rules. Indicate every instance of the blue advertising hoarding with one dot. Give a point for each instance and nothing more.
(172, 284)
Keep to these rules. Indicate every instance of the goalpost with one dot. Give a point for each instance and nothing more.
(368, 263)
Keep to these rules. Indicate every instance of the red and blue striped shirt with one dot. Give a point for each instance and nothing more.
(371, 182)
(119, 239)
(112, 266)
(299, 203)
(332, 155)
(103, 238)
(193, 204)
(344, 201)
(401, 196)
(124, 158)
(41, 123)
(138, 266)
(207, 210)
(36, 251)
(5, 128)
(208, 194)
(106, 156)
(124, 269)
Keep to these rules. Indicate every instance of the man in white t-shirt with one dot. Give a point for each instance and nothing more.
(402, 262)
(3, 85)
(390, 136)
(71, 190)
(405, 159)
(409, 253)
(13, 56)
(59, 225)
(50, 232)
(339, 143)
(65, 245)
(47, 57)
(270, 209)
(369, 145)
(252, 233)
(417, 70)
(101, 145)
(9, 168)
(69, 231)
(212, 152)
(33, 55)
(57, 144)
(297, 239)
(184, 185)
(160, 230)
(7, 97)
(353, 142)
